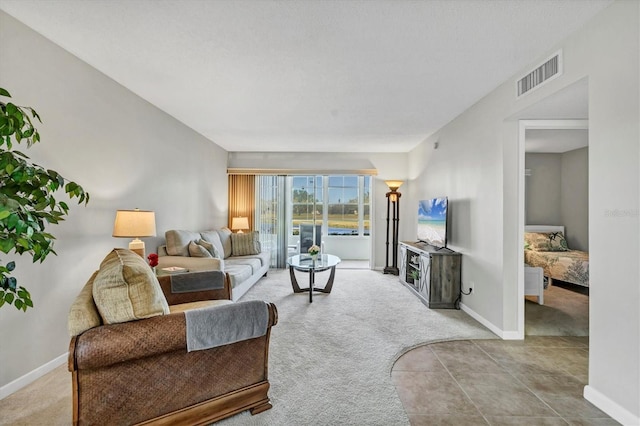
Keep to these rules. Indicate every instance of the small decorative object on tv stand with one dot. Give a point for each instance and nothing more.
(433, 274)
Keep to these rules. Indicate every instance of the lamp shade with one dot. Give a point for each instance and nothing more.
(393, 184)
(239, 223)
(134, 224)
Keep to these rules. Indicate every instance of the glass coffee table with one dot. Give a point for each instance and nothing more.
(304, 263)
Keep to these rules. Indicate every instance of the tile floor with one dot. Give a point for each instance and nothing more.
(536, 381)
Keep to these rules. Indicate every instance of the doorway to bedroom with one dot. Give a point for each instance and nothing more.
(556, 205)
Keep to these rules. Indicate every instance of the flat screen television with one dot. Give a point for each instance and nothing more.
(432, 221)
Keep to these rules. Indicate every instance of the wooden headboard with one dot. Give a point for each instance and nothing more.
(544, 228)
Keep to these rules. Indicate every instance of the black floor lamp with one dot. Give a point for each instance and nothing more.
(393, 205)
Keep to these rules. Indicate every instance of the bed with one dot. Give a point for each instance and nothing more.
(546, 247)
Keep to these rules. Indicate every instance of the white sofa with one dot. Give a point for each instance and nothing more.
(245, 262)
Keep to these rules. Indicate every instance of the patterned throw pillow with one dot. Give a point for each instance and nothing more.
(245, 244)
(545, 241)
(196, 250)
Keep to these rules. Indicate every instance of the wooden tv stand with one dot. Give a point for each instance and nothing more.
(433, 274)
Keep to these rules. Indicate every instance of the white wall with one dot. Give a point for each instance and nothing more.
(388, 165)
(122, 150)
(476, 165)
(575, 197)
(557, 193)
(543, 195)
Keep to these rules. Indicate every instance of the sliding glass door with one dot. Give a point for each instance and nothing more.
(339, 204)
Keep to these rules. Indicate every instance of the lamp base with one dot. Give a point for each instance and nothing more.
(391, 270)
(137, 246)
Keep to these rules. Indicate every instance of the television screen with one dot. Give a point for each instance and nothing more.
(432, 221)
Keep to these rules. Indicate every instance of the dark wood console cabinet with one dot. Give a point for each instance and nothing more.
(433, 274)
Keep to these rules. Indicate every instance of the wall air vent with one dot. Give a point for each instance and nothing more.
(548, 70)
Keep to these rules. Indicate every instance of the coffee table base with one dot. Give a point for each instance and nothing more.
(296, 287)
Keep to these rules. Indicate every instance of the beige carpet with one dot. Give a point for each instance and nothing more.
(329, 362)
(565, 312)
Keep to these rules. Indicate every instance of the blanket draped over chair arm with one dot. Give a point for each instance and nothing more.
(110, 344)
(140, 372)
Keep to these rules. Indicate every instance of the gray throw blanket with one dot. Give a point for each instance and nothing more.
(197, 281)
(221, 325)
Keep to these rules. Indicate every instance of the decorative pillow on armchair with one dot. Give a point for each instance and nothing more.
(245, 244)
(83, 314)
(546, 241)
(126, 289)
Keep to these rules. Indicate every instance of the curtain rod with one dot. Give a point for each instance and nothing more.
(297, 172)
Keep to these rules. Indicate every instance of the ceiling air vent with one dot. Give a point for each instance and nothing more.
(548, 70)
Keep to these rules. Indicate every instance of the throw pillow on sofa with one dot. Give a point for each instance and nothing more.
(245, 244)
(197, 250)
(211, 249)
(178, 241)
(126, 289)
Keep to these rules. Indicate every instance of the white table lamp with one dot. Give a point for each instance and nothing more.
(135, 224)
(239, 223)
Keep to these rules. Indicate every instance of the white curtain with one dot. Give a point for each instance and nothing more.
(270, 217)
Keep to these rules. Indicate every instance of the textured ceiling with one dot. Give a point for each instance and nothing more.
(343, 76)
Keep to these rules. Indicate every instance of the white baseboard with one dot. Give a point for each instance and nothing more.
(504, 335)
(32, 376)
(614, 410)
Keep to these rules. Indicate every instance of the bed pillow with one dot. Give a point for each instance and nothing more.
(546, 241)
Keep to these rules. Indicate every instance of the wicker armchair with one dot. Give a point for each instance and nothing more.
(140, 372)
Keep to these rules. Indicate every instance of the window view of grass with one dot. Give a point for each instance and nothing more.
(342, 214)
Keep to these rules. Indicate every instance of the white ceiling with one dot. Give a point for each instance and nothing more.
(556, 140)
(343, 76)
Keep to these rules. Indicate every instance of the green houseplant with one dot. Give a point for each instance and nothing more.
(27, 202)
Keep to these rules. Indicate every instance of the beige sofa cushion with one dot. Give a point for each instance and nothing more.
(245, 244)
(83, 314)
(178, 241)
(225, 238)
(213, 238)
(126, 289)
